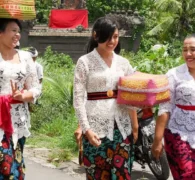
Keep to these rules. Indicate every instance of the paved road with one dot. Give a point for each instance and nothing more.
(39, 172)
(35, 171)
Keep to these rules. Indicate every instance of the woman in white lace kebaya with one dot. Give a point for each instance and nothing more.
(107, 126)
(177, 117)
(18, 85)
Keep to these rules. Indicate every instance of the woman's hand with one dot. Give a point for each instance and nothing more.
(93, 138)
(157, 149)
(78, 134)
(16, 93)
(161, 123)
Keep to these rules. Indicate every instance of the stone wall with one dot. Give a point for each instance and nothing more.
(71, 45)
(72, 42)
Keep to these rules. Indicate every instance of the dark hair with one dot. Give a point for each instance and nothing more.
(5, 21)
(33, 51)
(103, 29)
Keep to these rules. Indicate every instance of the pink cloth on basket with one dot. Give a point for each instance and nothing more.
(143, 89)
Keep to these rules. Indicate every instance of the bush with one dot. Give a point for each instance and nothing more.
(56, 60)
(54, 115)
(153, 61)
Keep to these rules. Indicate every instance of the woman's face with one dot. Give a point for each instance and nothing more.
(11, 35)
(110, 44)
(189, 52)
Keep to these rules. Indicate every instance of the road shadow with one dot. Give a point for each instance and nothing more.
(79, 170)
(136, 174)
(69, 167)
(141, 175)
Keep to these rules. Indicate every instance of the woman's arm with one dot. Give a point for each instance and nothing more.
(78, 134)
(79, 91)
(134, 123)
(31, 85)
(164, 113)
(161, 124)
(80, 81)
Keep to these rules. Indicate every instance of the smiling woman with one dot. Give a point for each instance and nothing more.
(176, 118)
(106, 125)
(189, 53)
(18, 85)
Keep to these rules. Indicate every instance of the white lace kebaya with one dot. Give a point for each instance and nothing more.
(93, 75)
(182, 86)
(24, 74)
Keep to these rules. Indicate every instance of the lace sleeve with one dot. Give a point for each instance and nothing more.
(129, 69)
(80, 80)
(31, 81)
(169, 106)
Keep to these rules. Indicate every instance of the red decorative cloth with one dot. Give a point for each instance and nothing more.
(70, 18)
(187, 108)
(5, 116)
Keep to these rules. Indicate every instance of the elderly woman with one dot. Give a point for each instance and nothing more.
(176, 120)
(18, 86)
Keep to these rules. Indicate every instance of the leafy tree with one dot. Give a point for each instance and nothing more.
(175, 18)
(98, 8)
(43, 8)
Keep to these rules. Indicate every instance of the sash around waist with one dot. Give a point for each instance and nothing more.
(186, 107)
(102, 95)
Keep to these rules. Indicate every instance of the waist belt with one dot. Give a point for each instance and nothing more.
(102, 95)
(188, 108)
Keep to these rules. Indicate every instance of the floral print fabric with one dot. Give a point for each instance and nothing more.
(112, 160)
(181, 157)
(11, 161)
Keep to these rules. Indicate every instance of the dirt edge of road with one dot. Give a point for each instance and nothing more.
(41, 156)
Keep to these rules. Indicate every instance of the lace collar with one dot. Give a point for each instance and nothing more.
(102, 62)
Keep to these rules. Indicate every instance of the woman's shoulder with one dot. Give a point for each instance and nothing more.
(121, 60)
(85, 58)
(178, 69)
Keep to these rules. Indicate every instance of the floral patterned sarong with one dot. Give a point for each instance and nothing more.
(111, 160)
(11, 161)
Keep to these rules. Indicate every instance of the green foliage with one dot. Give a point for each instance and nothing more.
(43, 8)
(154, 61)
(54, 116)
(56, 101)
(175, 19)
(102, 7)
(55, 59)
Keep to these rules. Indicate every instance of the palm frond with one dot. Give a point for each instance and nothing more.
(191, 13)
(62, 87)
(172, 6)
(165, 24)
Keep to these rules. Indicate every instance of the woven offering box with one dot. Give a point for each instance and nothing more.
(17, 9)
(142, 89)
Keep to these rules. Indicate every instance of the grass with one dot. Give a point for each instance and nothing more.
(58, 136)
(53, 121)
